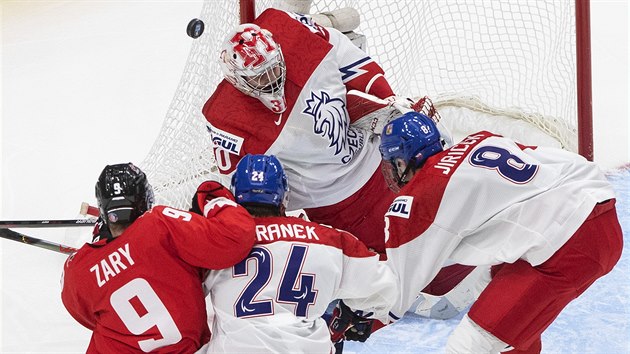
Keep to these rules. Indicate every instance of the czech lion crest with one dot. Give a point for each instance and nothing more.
(330, 121)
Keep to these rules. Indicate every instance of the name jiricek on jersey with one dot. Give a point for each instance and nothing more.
(454, 154)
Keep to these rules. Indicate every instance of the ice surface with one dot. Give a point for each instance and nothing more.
(87, 83)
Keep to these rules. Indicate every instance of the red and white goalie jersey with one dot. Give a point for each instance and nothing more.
(142, 291)
(326, 159)
(488, 200)
(272, 301)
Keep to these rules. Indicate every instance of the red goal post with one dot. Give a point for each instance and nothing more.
(518, 68)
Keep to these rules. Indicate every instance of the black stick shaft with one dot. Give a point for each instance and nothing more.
(20, 237)
(46, 223)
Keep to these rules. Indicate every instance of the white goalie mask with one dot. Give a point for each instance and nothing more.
(252, 61)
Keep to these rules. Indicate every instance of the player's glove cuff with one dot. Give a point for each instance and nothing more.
(346, 324)
(207, 191)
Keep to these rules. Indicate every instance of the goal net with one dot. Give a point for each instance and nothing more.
(500, 65)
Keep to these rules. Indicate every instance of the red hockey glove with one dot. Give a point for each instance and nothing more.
(345, 324)
(206, 191)
(100, 231)
(339, 323)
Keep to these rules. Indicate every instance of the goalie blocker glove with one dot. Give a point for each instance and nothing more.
(348, 325)
(371, 113)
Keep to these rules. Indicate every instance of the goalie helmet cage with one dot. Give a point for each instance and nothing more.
(526, 62)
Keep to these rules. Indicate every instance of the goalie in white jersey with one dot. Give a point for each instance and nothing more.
(544, 217)
(284, 94)
(273, 300)
(307, 95)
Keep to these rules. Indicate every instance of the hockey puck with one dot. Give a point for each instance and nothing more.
(195, 28)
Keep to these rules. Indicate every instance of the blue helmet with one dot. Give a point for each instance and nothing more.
(260, 179)
(412, 137)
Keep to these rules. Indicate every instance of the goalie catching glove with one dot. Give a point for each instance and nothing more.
(371, 113)
(346, 324)
(208, 191)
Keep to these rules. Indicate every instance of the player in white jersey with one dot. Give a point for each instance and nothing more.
(300, 91)
(545, 217)
(273, 301)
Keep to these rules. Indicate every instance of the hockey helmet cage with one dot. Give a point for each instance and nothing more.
(260, 179)
(412, 138)
(252, 61)
(123, 193)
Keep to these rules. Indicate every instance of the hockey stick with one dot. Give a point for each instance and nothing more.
(86, 209)
(46, 223)
(19, 237)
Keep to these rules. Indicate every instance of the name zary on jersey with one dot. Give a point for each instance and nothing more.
(115, 263)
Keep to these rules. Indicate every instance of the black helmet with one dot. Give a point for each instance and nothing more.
(123, 193)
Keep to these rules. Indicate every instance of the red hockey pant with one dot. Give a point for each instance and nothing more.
(521, 301)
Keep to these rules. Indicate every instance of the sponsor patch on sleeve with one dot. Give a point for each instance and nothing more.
(400, 207)
(226, 141)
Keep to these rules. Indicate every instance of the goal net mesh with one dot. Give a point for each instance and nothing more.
(487, 64)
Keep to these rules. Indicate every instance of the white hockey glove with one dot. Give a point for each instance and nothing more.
(372, 112)
(375, 113)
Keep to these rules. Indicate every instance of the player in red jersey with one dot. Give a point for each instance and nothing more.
(273, 301)
(139, 288)
(545, 217)
(309, 96)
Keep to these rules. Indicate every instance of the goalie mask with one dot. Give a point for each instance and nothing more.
(260, 179)
(252, 61)
(411, 138)
(123, 193)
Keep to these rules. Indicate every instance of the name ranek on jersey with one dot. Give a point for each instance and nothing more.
(274, 232)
